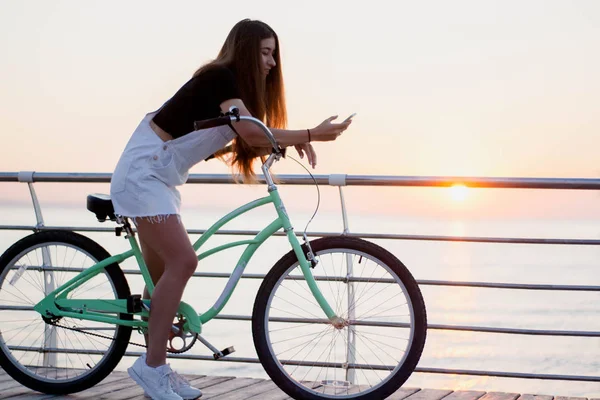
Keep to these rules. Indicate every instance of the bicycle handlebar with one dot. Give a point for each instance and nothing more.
(211, 123)
(234, 116)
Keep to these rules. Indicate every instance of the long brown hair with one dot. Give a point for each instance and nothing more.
(264, 98)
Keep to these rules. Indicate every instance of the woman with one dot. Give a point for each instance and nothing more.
(246, 74)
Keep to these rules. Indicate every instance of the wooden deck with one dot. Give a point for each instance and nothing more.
(118, 386)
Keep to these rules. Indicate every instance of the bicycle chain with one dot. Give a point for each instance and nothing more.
(106, 337)
(95, 334)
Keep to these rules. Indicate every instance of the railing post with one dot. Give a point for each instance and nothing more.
(340, 180)
(50, 339)
(351, 355)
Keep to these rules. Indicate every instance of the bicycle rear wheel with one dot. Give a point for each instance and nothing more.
(42, 356)
(375, 351)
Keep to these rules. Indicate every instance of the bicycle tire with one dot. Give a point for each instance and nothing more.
(360, 251)
(57, 247)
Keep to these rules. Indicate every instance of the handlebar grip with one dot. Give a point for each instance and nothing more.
(211, 123)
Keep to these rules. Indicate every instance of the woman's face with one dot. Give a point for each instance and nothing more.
(267, 48)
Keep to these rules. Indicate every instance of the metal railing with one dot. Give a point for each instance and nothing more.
(30, 177)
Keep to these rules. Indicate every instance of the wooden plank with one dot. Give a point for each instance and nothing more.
(278, 394)
(37, 396)
(9, 384)
(104, 390)
(500, 396)
(228, 386)
(201, 383)
(26, 393)
(22, 392)
(209, 381)
(534, 397)
(134, 390)
(403, 393)
(466, 395)
(275, 394)
(429, 394)
(15, 391)
(247, 392)
(27, 396)
(569, 398)
(5, 378)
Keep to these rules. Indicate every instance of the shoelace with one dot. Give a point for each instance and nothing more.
(168, 378)
(178, 380)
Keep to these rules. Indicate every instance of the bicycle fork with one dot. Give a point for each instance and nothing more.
(307, 260)
(304, 253)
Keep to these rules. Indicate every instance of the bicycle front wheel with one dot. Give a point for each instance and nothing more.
(43, 356)
(378, 346)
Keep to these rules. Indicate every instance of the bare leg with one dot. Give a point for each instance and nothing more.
(171, 243)
(156, 267)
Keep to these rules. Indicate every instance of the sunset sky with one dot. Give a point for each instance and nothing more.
(476, 88)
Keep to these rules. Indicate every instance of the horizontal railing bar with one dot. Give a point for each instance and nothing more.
(478, 239)
(112, 230)
(499, 374)
(487, 285)
(251, 360)
(490, 285)
(480, 329)
(515, 331)
(351, 180)
(438, 238)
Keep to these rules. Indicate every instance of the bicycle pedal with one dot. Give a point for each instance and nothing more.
(134, 303)
(224, 353)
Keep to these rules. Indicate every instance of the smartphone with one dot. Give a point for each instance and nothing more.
(349, 118)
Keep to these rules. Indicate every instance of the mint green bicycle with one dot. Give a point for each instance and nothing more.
(335, 317)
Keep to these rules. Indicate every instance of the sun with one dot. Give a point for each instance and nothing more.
(459, 192)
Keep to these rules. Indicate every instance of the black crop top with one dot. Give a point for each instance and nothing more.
(200, 98)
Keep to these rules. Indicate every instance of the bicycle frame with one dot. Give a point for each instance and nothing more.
(56, 304)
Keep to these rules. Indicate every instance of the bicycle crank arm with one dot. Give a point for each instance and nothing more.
(216, 353)
(224, 353)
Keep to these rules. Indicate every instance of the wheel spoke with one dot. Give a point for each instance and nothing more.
(306, 343)
(315, 344)
(378, 341)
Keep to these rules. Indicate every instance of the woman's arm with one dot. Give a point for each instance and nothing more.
(254, 136)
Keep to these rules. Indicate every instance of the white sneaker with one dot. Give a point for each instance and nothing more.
(156, 382)
(182, 387)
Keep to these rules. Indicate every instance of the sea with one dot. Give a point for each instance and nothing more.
(427, 260)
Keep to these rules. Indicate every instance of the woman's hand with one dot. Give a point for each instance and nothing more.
(306, 148)
(328, 131)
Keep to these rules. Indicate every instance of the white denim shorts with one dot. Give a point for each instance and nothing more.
(144, 183)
